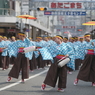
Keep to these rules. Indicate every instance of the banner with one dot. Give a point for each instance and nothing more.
(65, 13)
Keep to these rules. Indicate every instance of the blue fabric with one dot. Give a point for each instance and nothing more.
(63, 49)
(36, 53)
(31, 53)
(13, 50)
(41, 44)
(81, 49)
(73, 58)
(46, 55)
(52, 49)
(4, 44)
(87, 45)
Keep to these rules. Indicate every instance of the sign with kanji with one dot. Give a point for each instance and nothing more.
(72, 5)
(63, 5)
(65, 13)
(11, 30)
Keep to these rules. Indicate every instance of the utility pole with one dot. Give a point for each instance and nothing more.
(53, 23)
(91, 10)
(29, 7)
(29, 14)
(47, 21)
(21, 19)
(91, 13)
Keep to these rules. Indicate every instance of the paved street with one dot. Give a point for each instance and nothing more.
(33, 84)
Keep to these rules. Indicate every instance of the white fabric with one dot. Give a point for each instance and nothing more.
(63, 62)
(29, 49)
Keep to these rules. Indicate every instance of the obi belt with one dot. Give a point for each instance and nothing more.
(60, 56)
(20, 49)
(1, 49)
(38, 47)
(90, 51)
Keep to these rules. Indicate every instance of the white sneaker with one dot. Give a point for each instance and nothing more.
(93, 84)
(60, 89)
(70, 73)
(9, 79)
(43, 86)
(75, 81)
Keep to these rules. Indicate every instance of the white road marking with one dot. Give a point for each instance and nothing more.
(11, 85)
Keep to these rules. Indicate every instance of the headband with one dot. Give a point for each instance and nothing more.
(39, 37)
(59, 37)
(1, 37)
(86, 35)
(21, 34)
(65, 38)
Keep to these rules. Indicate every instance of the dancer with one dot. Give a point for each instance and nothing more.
(54, 72)
(22, 59)
(87, 70)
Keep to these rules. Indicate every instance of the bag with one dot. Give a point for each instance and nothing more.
(29, 49)
(63, 61)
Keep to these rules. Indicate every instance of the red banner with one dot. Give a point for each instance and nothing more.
(66, 5)
(11, 30)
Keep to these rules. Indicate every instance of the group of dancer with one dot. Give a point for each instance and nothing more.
(81, 52)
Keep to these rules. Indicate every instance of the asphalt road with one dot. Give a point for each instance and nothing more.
(32, 86)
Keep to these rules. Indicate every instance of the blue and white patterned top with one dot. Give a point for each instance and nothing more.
(64, 49)
(46, 55)
(9, 47)
(52, 49)
(41, 44)
(84, 47)
(32, 43)
(51, 42)
(88, 45)
(78, 49)
(7, 44)
(3, 45)
(13, 51)
(73, 59)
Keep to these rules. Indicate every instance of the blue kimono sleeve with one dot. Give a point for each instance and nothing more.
(45, 54)
(13, 50)
(70, 51)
